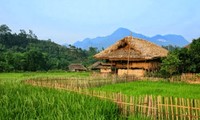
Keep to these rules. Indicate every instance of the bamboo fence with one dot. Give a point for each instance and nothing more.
(192, 78)
(153, 107)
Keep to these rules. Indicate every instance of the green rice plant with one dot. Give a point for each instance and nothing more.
(163, 88)
(22, 102)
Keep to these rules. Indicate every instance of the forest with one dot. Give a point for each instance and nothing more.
(25, 52)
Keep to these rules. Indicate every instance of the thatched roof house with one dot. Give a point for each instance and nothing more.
(103, 67)
(133, 53)
(134, 48)
(76, 67)
(98, 65)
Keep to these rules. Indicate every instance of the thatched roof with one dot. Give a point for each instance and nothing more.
(134, 49)
(74, 67)
(99, 65)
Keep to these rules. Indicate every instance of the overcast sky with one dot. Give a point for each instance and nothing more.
(67, 21)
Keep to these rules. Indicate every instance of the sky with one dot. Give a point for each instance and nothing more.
(68, 21)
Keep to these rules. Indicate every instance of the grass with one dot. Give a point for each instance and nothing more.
(138, 88)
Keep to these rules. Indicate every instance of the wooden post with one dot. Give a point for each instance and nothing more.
(167, 108)
(155, 114)
(196, 111)
(191, 110)
(172, 108)
(131, 106)
(181, 109)
(128, 57)
(159, 110)
(176, 103)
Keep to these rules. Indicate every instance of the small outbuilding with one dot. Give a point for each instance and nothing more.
(102, 67)
(76, 67)
(133, 56)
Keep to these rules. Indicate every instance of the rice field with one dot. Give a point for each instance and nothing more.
(162, 88)
(19, 101)
(22, 101)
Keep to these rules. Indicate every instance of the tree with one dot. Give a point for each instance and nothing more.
(170, 64)
(31, 35)
(22, 33)
(184, 60)
(194, 52)
(35, 60)
(4, 29)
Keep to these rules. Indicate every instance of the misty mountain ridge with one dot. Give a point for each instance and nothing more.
(104, 42)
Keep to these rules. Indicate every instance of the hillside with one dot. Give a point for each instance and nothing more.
(25, 52)
(104, 42)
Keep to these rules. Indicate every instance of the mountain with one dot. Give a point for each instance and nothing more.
(104, 42)
(170, 39)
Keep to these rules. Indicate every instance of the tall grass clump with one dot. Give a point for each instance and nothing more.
(20, 102)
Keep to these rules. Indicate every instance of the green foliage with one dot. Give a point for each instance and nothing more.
(170, 64)
(4, 29)
(182, 60)
(35, 61)
(25, 52)
(194, 52)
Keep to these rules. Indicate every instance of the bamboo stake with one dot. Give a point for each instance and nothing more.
(196, 111)
(131, 107)
(155, 115)
(159, 111)
(188, 103)
(146, 101)
(180, 109)
(184, 112)
(191, 110)
(167, 110)
(161, 108)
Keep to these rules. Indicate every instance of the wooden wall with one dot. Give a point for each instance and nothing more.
(131, 72)
(105, 70)
(150, 65)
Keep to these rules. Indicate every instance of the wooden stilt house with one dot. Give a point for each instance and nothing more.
(133, 56)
